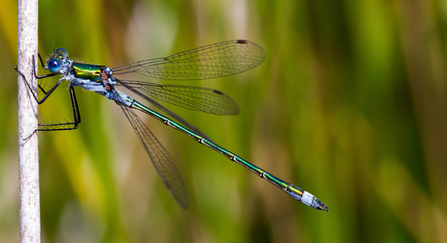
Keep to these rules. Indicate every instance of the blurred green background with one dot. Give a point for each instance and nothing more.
(350, 104)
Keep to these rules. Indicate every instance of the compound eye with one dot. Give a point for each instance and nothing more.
(61, 52)
(54, 65)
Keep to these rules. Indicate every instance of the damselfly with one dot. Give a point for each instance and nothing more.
(212, 61)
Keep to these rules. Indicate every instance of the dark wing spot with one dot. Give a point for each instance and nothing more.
(218, 92)
(242, 41)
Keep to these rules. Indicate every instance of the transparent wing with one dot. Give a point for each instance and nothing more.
(212, 61)
(167, 111)
(163, 162)
(194, 98)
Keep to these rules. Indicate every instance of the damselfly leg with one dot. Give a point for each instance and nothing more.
(71, 125)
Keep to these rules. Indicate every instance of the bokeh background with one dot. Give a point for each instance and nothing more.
(350, 104)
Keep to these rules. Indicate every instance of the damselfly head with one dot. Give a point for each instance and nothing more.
(54, 65)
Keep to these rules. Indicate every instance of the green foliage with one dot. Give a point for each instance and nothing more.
(349, 104)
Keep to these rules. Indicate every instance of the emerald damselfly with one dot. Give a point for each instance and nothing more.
(212, 61)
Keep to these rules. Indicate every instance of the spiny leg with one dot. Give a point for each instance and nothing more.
(67, 125)
(74, 104)
(47, 93)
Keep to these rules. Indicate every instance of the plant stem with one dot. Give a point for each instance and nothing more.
(29, 193)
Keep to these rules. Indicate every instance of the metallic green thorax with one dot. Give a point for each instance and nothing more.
(87, 71)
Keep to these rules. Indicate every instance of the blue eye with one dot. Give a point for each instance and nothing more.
(54, 65)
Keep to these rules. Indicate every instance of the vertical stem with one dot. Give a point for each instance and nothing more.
(27, 122)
